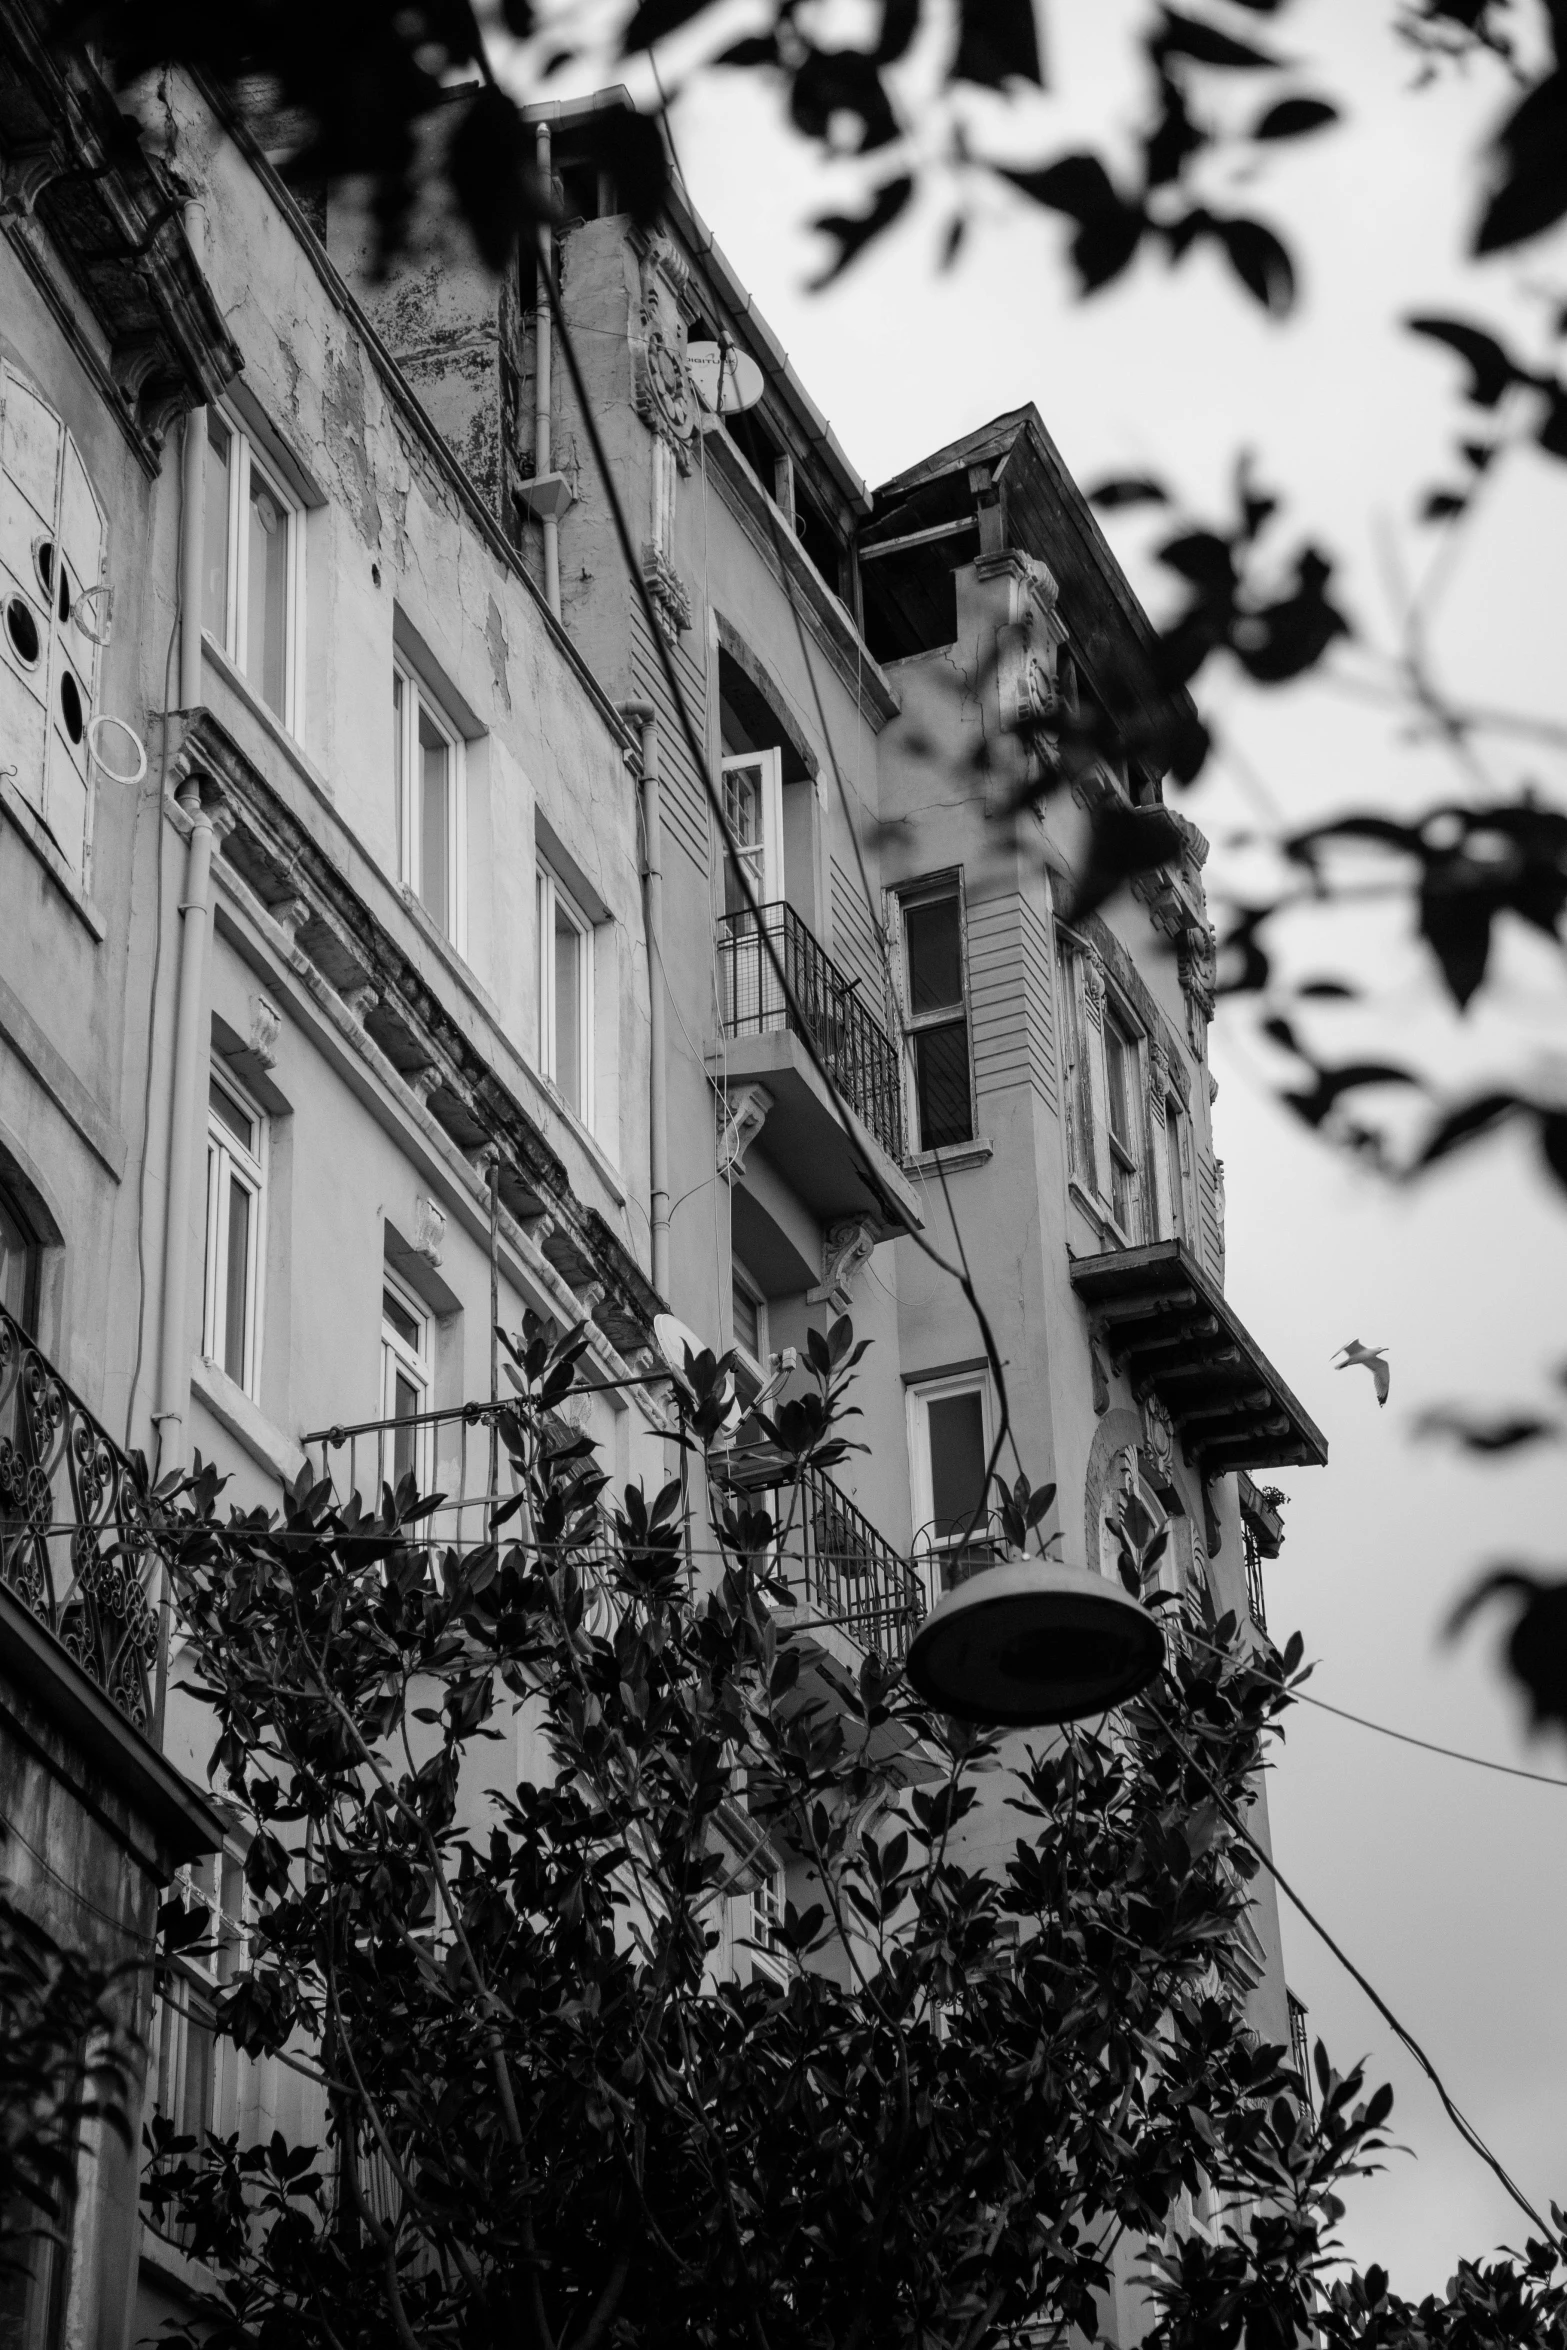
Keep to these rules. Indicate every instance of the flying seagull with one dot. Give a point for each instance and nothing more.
(1374, 1358)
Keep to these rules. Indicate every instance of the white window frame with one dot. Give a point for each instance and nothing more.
(417, 696)
(552, 897)
(918, 1396)
(765, 1907)
(244, 462)
(743, 1280)
(930, 889)
(1123, 1158)
(1179, 1168)
(227, 1158)
(216, 1883)
(417, 1365)
(765, 862)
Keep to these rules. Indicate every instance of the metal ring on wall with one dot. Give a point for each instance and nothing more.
(113, 773)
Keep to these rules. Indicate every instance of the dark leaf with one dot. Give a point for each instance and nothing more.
(1531, 191)
(1442, 505)
(1471, 1118)
(998, 42)
(1260, 261)
(1292, 118)
(1455, 922)
(1285, 639)
(854, 231)
(517, 17)
(1325, 989)
(652, 19)
(1490, 370)
(490, 164)
(1553, 1144)
(1188, 36)
(1315, 1102)
(757, 49)
(1537, 1645)
(1552, 434)
(899, 24)
(1132, 489)
(1174, 139)
(1501, 1433)
(1203, 558)
(834, 82)
(1122, 841)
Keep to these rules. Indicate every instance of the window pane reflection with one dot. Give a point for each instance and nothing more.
(267, 597)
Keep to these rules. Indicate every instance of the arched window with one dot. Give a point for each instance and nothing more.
(1131, 1519)
(52, 613)
(18, 1263)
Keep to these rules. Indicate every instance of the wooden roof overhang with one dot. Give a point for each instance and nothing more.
(1163, 1321)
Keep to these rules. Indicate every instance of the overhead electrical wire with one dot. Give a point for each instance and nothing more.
(1456, 2116)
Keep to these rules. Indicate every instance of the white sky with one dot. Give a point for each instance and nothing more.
(1446, 1884)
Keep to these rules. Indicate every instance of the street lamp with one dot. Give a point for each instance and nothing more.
(1034, 1642)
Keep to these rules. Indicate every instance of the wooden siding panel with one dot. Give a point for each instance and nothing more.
(683, 800)
(1010, 1008)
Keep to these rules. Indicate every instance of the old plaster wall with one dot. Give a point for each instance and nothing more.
(396, 554)
(72, 1054)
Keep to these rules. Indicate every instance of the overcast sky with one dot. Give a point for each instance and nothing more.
(1446, 1884)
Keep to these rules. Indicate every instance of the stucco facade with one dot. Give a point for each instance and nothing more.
(359, 995)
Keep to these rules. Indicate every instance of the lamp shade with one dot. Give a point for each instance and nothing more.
(1034, 1642)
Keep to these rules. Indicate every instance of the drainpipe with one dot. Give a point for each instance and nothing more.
(542, 390)
(653, 923)
(186, 1112)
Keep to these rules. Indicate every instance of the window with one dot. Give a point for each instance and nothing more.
(428, 788)
(769, 1951)
(405, 1386)
(949, 1454)
(52, 615)
(196, 2079)
(565, 988)
(251, 569)
(753, 809)
(18, 1265)
(1076, 1080)
(236, 1191)
(749, 1317)
(1123, 1095)
(1178, 1164)
(937, 1016)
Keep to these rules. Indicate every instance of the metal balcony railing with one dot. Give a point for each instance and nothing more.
(859, 1055)
(448, 1452)
(74, 1545)
(944, 1557)
(849, 1571)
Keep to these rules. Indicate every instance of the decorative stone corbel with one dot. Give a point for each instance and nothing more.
(846, 1251)
(429, 1228)
(742, 1113)
(362, 1000)
(1198, 958)
(266, 1025)
(1159, 1442)
(1094, 984)
(291, 915)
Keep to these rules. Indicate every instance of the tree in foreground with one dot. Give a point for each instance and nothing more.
(548, 2123)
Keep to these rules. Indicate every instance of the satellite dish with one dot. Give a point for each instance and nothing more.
(674, 1339)
(1034, 1642)
(726, 380)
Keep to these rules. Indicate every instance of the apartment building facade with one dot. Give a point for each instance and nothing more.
(413, 969)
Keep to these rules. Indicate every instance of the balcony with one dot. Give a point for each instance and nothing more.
(848, 1573)
(74, 1546)
(1163, 1321)
(768, 1030)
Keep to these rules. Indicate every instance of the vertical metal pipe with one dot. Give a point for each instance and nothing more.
(653, 925)
(543, 390)
(185, 1115)
(193, 488)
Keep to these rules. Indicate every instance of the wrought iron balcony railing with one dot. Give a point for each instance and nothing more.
(849, 1571)
(74, 1544)
(946, 1556)
(859, 1055)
